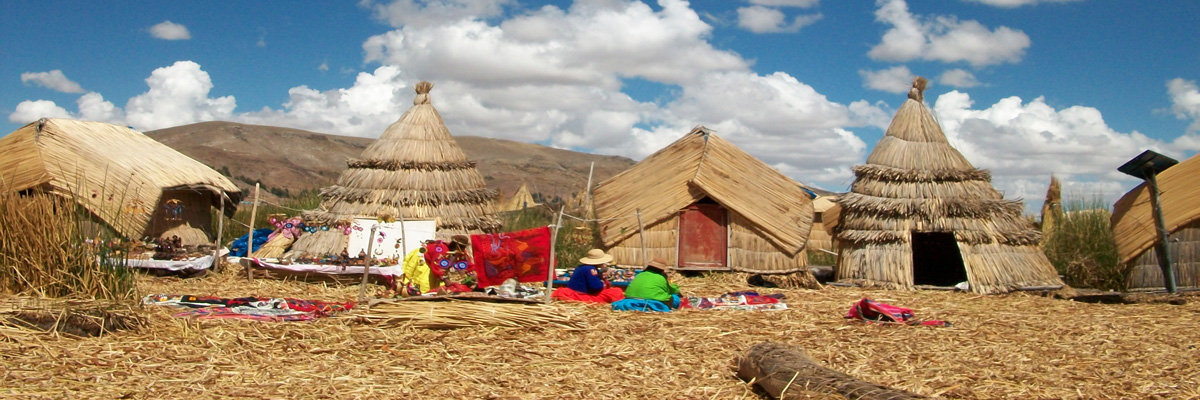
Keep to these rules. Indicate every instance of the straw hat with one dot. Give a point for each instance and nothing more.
(658, 263)
(595, 257)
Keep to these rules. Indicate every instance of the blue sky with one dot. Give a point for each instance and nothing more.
(1025, 88)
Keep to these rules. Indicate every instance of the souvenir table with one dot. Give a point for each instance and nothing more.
(192, 264)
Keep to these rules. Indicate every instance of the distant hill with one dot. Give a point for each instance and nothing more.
(292, 160)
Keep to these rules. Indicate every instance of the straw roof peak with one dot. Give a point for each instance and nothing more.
(918, 89)
(422, 88)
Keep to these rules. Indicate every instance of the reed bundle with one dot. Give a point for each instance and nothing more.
(1179, 197)
(461, 314)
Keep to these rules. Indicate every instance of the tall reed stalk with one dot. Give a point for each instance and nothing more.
(45, 250)
(1082, 248)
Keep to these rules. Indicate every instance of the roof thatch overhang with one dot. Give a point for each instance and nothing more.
(701, 164)
(1133, 219)
(116, 173)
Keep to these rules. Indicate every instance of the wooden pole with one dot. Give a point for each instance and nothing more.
(587, 191)
(553, 254)
(250, 239)
(642, 236)
(362, 287)
(220, 229)
(1160, 247)
(403, 237)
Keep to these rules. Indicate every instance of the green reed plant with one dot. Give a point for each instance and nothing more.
(1082, 248)
(575, 237)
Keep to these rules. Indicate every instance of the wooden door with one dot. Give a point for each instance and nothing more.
(703, 240)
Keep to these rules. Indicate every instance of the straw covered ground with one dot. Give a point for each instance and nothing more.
(1000, 346)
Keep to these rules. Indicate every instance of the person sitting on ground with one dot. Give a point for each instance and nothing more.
(653, 284)
(587, 283)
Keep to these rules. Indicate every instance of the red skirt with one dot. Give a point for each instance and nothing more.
(605, 296)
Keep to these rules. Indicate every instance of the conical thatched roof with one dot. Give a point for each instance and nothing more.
(1052, 210)
(116, 173)
(915, 181)
(520, 199)
(414, 171)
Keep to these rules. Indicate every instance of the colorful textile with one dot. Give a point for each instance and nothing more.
(651, 285)
(586, 279)
(737, 301)
(448, 266)
(238, 247)
(640, 305)
(875, 312)
(524, 255)
(252, 308)
(604, 296)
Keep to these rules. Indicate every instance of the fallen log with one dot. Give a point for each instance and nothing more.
(785, 372)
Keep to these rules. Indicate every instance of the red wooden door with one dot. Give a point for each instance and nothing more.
(703, 241)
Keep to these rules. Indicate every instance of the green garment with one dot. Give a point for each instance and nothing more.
(651, 286)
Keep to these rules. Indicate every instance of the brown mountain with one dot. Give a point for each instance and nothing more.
(295, 160)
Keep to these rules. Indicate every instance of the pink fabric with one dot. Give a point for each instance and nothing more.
(605, 296)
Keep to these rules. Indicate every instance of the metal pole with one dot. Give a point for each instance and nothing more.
(362, 288)
(250, 239)
(553, 255)
(1160, 247)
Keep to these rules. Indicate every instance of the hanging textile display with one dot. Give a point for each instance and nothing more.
(450, 263)
(524, 255)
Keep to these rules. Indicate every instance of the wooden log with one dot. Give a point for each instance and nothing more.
(786, 372)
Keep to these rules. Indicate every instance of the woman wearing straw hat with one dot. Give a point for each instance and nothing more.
(587, 283)
(652, 284)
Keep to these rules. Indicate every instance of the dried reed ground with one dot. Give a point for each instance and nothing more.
(1006, 346)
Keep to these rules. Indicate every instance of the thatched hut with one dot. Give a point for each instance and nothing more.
(126, 180)
(1134, 229)
(415, 171)
(520, 200)
(820, 238)
(1052, 210)
(919, 213)
(704, 204)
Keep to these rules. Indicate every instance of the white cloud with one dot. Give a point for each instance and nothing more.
(960, 78)
(365, 109)
(1185, 101)
(1017, 3)
(93, 107)
(178, 95)
(786, 3)
(759, 19)
(896, 79)
(168, 30)
(1023, 143)
(31, 110)
(944, 39)
(323, 67)
(53, 79)
(434, 12)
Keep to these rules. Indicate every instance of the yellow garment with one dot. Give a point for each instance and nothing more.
(417, 272)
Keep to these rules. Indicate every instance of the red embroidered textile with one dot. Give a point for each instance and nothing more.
(524, 255)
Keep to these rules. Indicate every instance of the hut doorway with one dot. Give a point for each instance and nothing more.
(937, 260)
(703, 236)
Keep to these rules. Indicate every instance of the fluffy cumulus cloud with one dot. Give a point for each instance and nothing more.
(365, 109)
(960, 78)
(944, 39)
(1185, 101)
(1023, 143)
(53, 79)
(434, 12)
(91, 106)
(31, 110)
(168, 30)
(1017, 3)
(178, 95)
(896, 79)
(759, 19)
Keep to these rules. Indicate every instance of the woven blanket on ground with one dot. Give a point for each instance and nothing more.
(875, 312)
(252, 308)
(737, 301)
(640, 305)
(605, 296)
(524, 255)
(170, 265)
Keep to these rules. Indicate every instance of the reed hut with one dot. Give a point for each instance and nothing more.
(919, 213)
(520, 200)
(126, 180)
(1135, 233)
(820, 238)
(415, 171)
(1052, 210)
(704, 204)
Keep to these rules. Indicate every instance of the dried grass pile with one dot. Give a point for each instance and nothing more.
(1005, 346)
(464, 314)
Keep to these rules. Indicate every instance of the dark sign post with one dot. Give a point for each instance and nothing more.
(1146, 166)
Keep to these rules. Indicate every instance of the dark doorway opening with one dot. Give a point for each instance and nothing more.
(937, 260)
